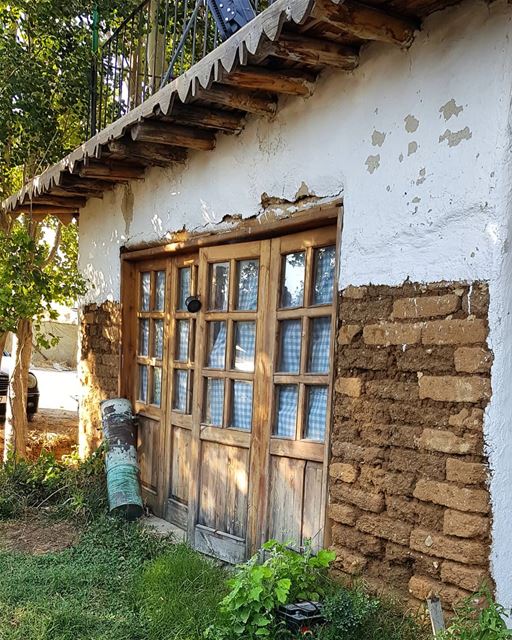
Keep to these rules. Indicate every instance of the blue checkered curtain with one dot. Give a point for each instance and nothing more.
(217, 339)
(319, 348)
(242, 405)
(247, 298)
(145, 290)
(159, 290)
(184, 280)
(316, 413)
(323, 284)
(158, 339)
(215, 402)
(286, 414)
(156, 393)
(183, 327)
(245, 343)
(144, 337)
(290, 343)
(143, 383)
(180, 390)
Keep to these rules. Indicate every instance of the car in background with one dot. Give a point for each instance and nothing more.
(33, 388)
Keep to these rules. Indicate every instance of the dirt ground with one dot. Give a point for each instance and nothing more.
(36, 536)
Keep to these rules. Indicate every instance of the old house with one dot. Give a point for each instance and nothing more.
(299, 257)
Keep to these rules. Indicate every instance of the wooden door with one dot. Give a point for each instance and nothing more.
(149, 381)
(302, 316)
(227, 402)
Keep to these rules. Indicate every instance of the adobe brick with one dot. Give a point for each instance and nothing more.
(470, 578)
(464, 525)
(395, 435)
(392, 389)
(422, 514)
(348, 332)
(381, 526)
(354, 293)
(452, 496)
(468, 331)
(349, 386)
(361, 311)
(388, 481)
(434, 544)
(350, 451)
(349, 561)
(343, 471)
(477, 301)
(427, 360)
(422, 587)
(429, 464)
(363, 358)
(465, 472)
(455, 388)
(472, 360)
(426, 307)
(447, 442)
(468, 418)
(391, 333)
(353, 539)
(344, 513)
(362, 499)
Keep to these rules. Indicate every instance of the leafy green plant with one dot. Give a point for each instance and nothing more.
(479, 617)
(179, 594)
(258, 589)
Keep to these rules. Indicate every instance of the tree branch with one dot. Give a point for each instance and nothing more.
(56, 244)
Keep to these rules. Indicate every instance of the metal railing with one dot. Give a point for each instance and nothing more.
(136, 59)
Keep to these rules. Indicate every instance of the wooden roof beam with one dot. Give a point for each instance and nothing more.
(295, 83)
(314, 51)
(68, 192)
(367, 23)
(87, 186)
(219, 119)
(145, 153)
(241, 99)
(159, 132)
(111, 171)
(52, 200)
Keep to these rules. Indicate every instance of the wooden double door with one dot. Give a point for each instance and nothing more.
(234, 400)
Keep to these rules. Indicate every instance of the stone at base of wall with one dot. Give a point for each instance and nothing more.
(98, 367)
(409, 503)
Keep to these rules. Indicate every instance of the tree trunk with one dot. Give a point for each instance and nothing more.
(16, 424)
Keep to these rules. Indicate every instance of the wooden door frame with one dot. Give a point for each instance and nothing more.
(311, 218)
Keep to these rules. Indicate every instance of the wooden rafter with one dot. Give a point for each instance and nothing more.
(145, 153)
(208, 118)
(313, 51)
(249, 101)
(159, 132)
(297, 83)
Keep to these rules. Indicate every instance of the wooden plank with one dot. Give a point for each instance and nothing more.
(250, 101)
(180, 448)
(304, 449)
(289, 82)
(234, 518)
(175, 135)
(219, 545)
(312, 513)
(286, 499)
(114, 171)
(60, 191)
(435, 611)
(177, 513)
(313, 51)
(229, 437)
(195, 116)
(58, 201)
(153, 154)
(367, 23)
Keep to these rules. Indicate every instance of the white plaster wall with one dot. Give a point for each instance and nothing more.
(419, 143)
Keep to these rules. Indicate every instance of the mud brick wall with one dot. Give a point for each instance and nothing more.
(98, 367)
(408, 498)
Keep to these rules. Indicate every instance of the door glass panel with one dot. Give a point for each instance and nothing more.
(216, 345)
(145, 290)
(157, 386)
(247, 285)
(180, 390)
(320, 341)
(245, 343)
(316, 417)
(182, 341)
(241, 409)
(159, 290)
(144, 337)
(184, 284)
(286, 411)
(293, 268)
(219, 287)
(143, 383)
(290, 340)
(214, 402)
(323, 283)
(158, 339)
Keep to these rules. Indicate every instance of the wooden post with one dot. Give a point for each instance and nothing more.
(436, 614)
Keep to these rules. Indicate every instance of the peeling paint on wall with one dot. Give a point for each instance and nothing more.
(127, 204)
(378, 138)
(412, 147)
(454, 138)
(411, 123)
(450, 109)
(422, 177)
(373, 163)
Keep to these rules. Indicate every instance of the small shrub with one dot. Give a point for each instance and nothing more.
(479, 617)
(179, 594)
(257, 590)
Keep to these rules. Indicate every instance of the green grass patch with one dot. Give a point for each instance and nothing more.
(179, 594)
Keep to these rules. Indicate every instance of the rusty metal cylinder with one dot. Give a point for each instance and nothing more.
(123, 482)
